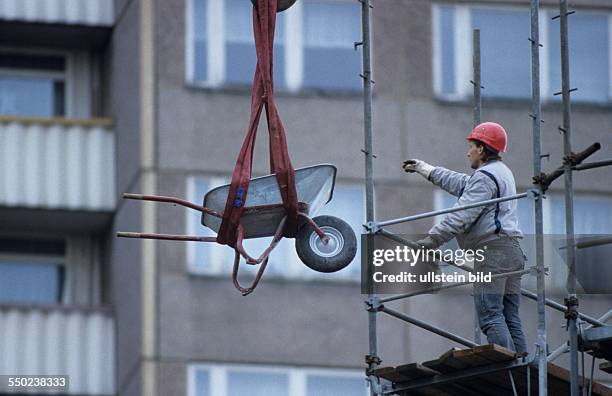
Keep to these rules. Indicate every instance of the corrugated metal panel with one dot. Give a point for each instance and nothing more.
(67, 165)
(79, 343)
(81, 12)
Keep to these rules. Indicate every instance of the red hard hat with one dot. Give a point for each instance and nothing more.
(491, 134)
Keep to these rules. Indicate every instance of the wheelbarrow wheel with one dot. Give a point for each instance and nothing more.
(281, 5)
(336, 254)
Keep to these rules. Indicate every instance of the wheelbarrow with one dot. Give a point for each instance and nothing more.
(323, 243)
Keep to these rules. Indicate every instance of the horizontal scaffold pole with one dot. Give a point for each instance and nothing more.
(455, 209)
(428, 327)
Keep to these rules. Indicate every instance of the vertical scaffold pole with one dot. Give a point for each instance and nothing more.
(477, 101)
(477, 106)
(571, 301)
(537, 170)
(373, 359)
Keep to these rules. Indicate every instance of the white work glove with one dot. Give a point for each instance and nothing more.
(416, 165)
(431, 258)
(428, 243)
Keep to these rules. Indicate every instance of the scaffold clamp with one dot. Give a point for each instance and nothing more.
(373, 304)
(571, 303)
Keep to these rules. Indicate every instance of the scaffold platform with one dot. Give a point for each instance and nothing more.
(483, 370)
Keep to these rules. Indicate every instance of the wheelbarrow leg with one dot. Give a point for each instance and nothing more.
(315, 227)
(247, 290)
(278, 235)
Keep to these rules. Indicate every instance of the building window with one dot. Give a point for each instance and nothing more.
(229, 380)
(589, 48)
(32, 85)
(505, 53)
(49, 83)
(240, 49)
(330, 29)
(32, 271)
(592, 214)
(348, 203)
(313, 46)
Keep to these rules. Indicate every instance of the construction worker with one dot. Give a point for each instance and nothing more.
(494, 226)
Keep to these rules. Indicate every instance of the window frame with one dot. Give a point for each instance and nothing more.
(216, 55)
(75, 106)
(46, 259)
(463, 53)
(296, 270)
(297, 377)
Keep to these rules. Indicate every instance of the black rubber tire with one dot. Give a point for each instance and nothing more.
(281, 5)
(326, 264)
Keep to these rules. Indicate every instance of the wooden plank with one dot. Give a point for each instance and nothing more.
(446, 363)
(440, 366)
(471, 358)
(390, 374)
(495, 353)
(415, 371)
(601, 390)
(485, 355)
(492, 383)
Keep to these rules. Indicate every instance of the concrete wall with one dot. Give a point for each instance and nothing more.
(125, 96)
(126, 254)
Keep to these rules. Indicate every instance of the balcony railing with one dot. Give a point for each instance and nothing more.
(57, 163)
(77, 12)
(78, 342)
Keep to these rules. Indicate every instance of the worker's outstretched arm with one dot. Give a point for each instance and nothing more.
(450, 181)
(478, 188)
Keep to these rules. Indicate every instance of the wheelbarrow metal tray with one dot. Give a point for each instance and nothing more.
(263, 206)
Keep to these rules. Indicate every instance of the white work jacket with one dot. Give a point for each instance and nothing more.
(475, 226)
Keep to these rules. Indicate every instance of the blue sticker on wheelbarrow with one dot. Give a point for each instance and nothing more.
(238, 199)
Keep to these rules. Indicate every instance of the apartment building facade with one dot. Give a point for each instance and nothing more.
(100, 98)
(57, 193)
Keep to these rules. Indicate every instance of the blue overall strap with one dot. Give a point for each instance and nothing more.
(497, 223)
(463, 188)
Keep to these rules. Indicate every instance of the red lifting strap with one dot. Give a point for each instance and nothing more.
(264, 21)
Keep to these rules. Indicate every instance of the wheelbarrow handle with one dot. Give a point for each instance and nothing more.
(133, 196)
(166, 237)
(174, 200)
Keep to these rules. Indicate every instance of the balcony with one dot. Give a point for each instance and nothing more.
(57, 163)
(75, 12)
(55, 340)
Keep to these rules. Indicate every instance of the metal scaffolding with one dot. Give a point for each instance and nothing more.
(571, 162)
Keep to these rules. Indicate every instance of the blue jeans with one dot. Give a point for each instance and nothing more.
(497, 303)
